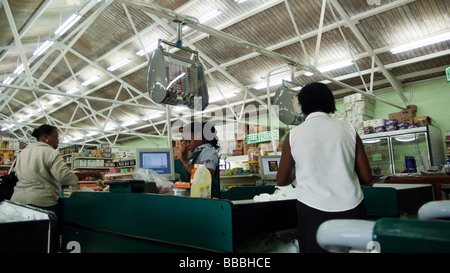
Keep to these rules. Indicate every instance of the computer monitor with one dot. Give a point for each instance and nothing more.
(268, 166)
(159, 160)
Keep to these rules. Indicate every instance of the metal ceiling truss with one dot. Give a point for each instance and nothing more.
(31, 84)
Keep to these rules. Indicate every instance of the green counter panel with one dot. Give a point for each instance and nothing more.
(147, 223)
(407, 235)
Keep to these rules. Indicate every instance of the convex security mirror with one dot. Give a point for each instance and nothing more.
(175, 80)
(286, 110)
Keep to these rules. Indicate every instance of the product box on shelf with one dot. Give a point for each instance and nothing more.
(422, 121)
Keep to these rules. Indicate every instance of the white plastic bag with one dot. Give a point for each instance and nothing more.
(281, 193)
(149, 175)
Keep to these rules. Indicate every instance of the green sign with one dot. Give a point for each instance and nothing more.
(262, 137)
(447, 72)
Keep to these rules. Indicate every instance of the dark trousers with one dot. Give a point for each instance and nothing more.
(309, 220)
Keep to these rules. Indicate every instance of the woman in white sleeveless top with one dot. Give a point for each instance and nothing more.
(329, 162)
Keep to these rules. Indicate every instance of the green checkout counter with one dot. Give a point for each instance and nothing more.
(121, 221)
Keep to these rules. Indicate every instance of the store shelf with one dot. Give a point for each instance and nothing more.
(118, 174)
(239, 176)
(92, 168)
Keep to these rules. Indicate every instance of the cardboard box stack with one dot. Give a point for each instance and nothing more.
(404, 119)
(358, 108)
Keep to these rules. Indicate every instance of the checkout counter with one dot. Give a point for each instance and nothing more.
(125, 221)
(137, 221)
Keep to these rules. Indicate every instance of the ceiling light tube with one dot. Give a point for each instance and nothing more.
(19, 69)
(118, 65)
(68, 24)
(92, 134)
(146, 50)
(43, 48)
(40, 109)
(209, 16)
(335, 66)
(128, 123)
(91, 80)
(53, 101)
(8, 80)
(420, 43)
(110, 128)
(73, 90)
(76, 138)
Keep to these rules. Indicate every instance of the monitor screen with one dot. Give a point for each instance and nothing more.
(268, 166)
(158, 160)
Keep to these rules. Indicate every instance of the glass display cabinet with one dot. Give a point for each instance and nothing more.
(403, 151)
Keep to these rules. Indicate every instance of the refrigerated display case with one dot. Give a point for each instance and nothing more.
(403, 151)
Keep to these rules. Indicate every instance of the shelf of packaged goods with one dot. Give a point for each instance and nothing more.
(104, 158)
(91, 168)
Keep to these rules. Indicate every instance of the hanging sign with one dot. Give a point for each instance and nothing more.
(262, 137)
(447, 72)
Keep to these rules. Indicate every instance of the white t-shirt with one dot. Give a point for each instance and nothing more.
(41, 172)
(324, 153)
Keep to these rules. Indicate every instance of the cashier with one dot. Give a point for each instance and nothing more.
(330, 165)
(201, 140)
(41, 171)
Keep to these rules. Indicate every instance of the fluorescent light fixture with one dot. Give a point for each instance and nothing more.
(110, 128)
(40, 109)
(420, 43)
(43, 48)
(209, 16)
(119, 64)
(91, 134)
(152, 116)
(205, 18)
(29, 115)
(53, 101)
(239, 1)
(335, 66)
(91, 80)
(128, 123)
(76, 138)
(308, 74)
(146, 50)
(73, 90)
(220, 97)
(65, 141)
(68, 24)
(20, 120)
(19, 69)
(3, 129)
(8, 80)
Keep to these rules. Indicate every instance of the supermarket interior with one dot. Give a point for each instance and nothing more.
(226, 126)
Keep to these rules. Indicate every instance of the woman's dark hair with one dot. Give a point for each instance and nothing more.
(209, 132)
(316, 96)
(43, 130)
